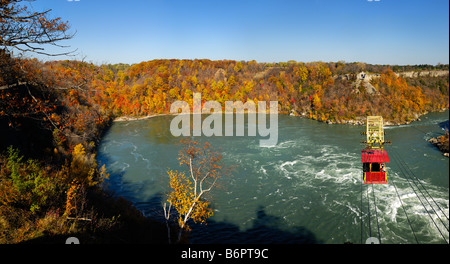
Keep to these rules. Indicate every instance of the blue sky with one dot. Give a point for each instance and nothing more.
(378, 32)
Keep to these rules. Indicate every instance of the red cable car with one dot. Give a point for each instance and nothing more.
(374, 156)
(374, 167)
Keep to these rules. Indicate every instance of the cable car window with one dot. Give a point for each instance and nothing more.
(366, 167)
(375, 167)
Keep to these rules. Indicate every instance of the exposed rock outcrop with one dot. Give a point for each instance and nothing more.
(363, 79)
(442, 143)
(415, 74)
(220, 75)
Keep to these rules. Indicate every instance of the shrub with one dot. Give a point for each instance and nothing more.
(32, 184)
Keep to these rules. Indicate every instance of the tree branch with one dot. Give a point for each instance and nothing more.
(193, 178)
(20, 29)
(36, 101)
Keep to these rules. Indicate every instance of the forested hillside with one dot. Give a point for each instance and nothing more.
(314, 90)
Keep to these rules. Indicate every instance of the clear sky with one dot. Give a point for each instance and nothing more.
(378, 32)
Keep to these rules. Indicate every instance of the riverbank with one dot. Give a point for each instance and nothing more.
(130, 118)
(358, 121)
(442, 143)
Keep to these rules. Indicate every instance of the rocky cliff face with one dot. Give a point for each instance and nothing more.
(415, 74)
(363, 79)
(363, 76)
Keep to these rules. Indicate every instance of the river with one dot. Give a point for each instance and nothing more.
(305, 189)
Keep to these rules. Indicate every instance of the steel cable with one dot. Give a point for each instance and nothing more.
(403, 170)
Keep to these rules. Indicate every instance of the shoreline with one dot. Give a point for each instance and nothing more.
(129, 118)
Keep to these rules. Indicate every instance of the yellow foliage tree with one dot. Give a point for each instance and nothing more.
(82, 173)
(186, 202)
(316, 101)
(238, 66)
(301, 72)
(71, 199)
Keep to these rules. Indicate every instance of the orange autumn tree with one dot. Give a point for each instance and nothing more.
(189, 191)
